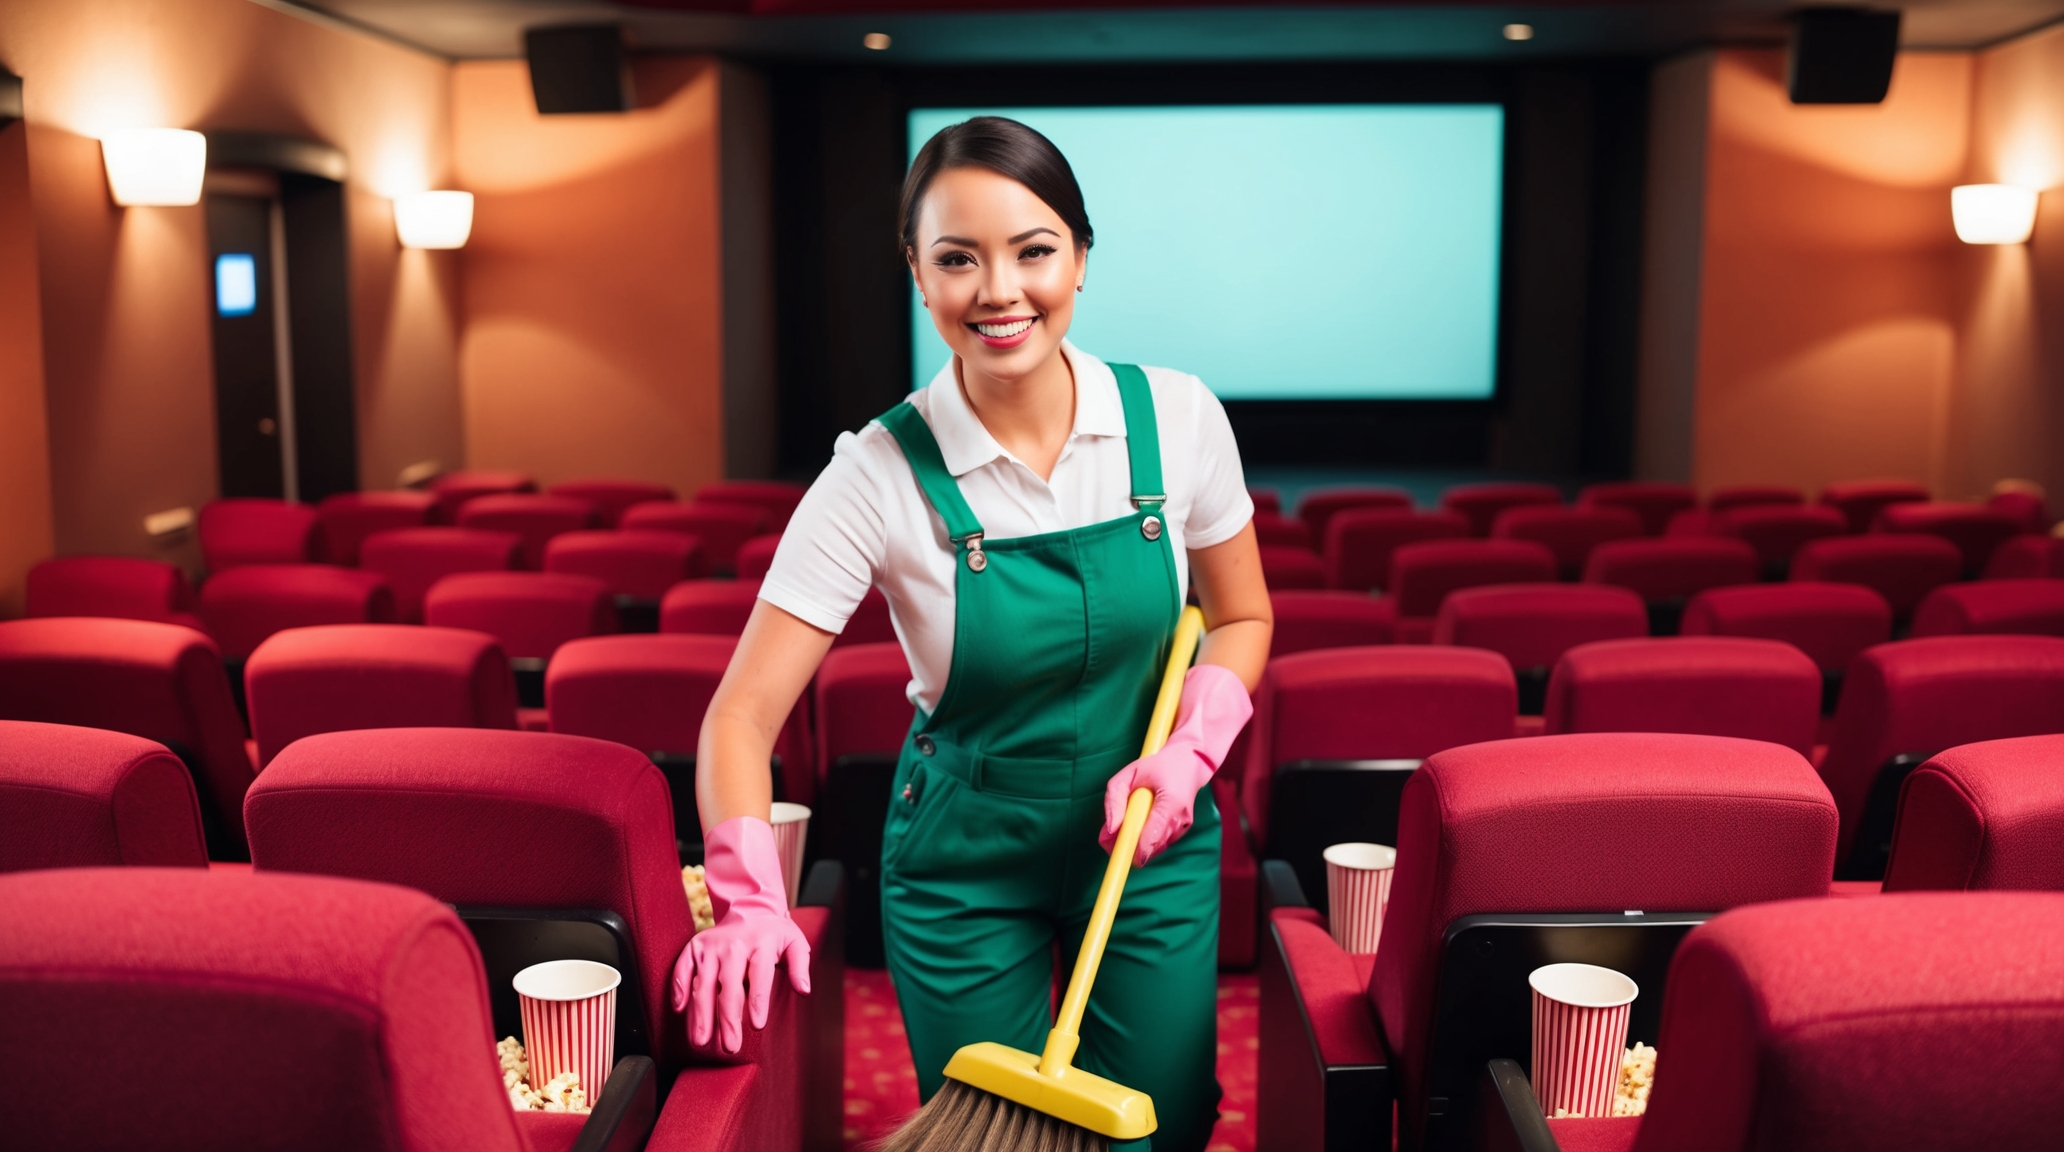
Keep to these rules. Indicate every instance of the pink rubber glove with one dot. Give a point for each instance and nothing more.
(1213, 710)
(735, 957)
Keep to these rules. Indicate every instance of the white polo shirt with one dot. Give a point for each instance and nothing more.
(866, 523)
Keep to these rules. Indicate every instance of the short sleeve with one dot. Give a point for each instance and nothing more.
(833, 546)
(1221, 506)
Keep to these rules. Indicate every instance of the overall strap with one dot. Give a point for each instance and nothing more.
(921, 449)
(1142, 436)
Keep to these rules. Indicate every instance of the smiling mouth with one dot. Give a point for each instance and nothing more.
(1003, 329)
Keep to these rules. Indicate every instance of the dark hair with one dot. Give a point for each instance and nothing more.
(1006, 148)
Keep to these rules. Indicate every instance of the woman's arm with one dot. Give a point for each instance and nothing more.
(773, 664)
(1237, 616)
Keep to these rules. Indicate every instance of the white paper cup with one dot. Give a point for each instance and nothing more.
(569, 1021)
(791, 828)
(1358, 893)
(1580, 1036)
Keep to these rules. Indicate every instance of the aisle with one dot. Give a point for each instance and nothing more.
(881, 1087)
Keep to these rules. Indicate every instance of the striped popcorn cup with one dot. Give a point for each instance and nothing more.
(569, 1021)
(1580, 1036)
(1358, 893)
(791, 828)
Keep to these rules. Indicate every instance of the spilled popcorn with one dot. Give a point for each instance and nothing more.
(1637, 1076)
(561, 1094)
(698, 897)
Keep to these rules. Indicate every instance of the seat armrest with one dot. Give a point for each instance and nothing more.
(1280, 888)
(1512, 1116)
(622, 1119)
(1324, 1078)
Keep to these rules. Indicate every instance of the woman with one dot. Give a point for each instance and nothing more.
(1022, 514)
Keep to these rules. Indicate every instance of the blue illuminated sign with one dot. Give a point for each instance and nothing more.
(236, 284)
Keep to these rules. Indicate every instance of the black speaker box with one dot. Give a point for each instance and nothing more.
(578, 68)
(1842, 55)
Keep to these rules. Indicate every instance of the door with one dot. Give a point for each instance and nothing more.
(254, 440)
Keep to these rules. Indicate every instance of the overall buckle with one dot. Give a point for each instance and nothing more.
(977, 560)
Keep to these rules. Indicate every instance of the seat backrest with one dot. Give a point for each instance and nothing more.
(159, 681)
(1859, 501)
(1985, 815)
(1776, 531)
(477, 817)
(2028, 606)
(1570, 533)
(1265, 499)
(1481, 503)
(533, 517)
(531, 613)
(611, 497)
(2027, 556)
(1829, 1025)
(245, 605)
(1831, 623)
(756, 555)
(347, 676)
(345, 519)
(455, 489)
(1318, 506)
(248, 530)
(1975, 529)
(638, 564)
(1276, 528)
(1283, 566)
(721, 528)
(119, 586)
(413, 559)
(1371, 703)
(862, 702)
(1918, 697)
(1901, 568)
(1308, 618)
(1532, 625)
(1359, 542)
(1551, 824)
(82, 797)
(1654, 501)
(1668, 568)
(1422, 574)
(1701, 685)
(1743, 495)
(709, 607)
(2027, 508)
(776, 498)
(870, 623)
(319, 1014)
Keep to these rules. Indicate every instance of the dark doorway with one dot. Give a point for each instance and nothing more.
(254, 440)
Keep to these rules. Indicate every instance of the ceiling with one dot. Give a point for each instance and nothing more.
(1099, 31)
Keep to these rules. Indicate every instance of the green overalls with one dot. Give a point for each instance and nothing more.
(990, 852)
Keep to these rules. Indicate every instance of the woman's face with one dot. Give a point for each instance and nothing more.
(998, 270)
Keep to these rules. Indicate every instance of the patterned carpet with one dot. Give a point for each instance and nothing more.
(881, 1087)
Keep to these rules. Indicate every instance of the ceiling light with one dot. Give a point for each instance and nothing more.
(434, 219)
(155, 166)
(1519, 31)
(879, 41)
(1992, 213)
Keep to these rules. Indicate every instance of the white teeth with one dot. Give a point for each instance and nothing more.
(1003, 331)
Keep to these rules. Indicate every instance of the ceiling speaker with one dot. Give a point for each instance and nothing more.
(1842, 55)
(578, 68)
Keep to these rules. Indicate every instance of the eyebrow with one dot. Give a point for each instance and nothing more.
(1018, 239)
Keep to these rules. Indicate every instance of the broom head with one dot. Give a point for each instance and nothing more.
(1081, 1098)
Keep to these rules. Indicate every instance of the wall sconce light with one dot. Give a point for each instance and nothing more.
(1992, 213)
(155, 166)
(434, 219)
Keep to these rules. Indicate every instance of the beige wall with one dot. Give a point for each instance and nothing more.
(24, 429)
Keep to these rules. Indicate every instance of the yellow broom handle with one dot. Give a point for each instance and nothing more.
(1062, 1041)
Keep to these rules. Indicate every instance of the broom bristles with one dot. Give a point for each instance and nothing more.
(963, 1118)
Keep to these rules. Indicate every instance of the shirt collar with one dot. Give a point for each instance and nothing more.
(965, 445)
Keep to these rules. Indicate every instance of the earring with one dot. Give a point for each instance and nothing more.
(1078, 287)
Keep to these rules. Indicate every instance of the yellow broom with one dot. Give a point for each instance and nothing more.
(999, 1099)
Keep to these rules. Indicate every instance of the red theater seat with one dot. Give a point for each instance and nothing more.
(414, 559)
(1422, 575)
(1860, 501)
(721, 528)
(158, 681)
(709, 607)
(2027, 606)
(1265, 499)
(111, 586)
(1975, 529)
(1480, 503)
(454, 490)
(343, 521)
(1361, 541)
(635, 565)
(1570, 533)
(1286, 567)
(1276, 528)
(350, 676)
(253, 531)
(1715, 822)
(536, 519)
(2025, 557)
(1906, 701)
(1532, 625)
(870, 623)
(863, 715)
(245, 605)
(610, 498)
(1831, 623)
(82, 797)
(531, 613)
(1987, 815)
(2027, 509)
(1318, 506)
(1902, 569)
(756, 555)
(776, 499)
(1668, 571)
(1654, 501)
(1698, 685)
(1776, 531)
(1744, 495)
(1311, 618)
